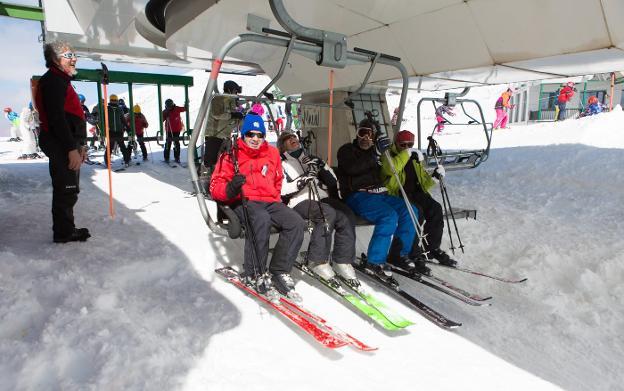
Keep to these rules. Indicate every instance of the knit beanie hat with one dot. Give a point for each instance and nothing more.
(252, 122)
(404, 136)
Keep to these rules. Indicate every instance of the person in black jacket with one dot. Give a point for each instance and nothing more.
(116, 128)
(362, 188)
(62, 137)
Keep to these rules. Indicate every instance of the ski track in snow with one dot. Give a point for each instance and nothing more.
(138, 305)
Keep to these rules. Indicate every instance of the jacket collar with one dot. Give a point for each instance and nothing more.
(56, 70)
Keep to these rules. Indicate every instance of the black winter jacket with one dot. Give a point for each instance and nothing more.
(60, 111)
(358, 169)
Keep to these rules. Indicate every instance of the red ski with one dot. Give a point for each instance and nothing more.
(322, 336)
(356, 343)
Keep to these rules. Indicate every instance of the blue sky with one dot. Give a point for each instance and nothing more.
(23, 58)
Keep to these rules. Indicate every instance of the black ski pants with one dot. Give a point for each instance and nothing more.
(262, 216)
(431, 211)
(338, 226)
(175, 139)
(65, 187)
(141, 141)
(125, 151)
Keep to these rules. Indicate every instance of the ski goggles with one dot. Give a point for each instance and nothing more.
(254, 134)
(365, 133)
(406, 145)
(69, 55)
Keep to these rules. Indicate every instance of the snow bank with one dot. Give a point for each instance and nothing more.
(138, 305)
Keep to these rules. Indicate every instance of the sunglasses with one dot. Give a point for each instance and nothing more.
(69, 55)
(254, 134)
(365, 133)
(406, 145)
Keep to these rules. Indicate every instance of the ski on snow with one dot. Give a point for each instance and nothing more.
(307, 321)
(392, 285)
(124, 167)
(379, 313)
(444, 287)
(440, 285)
(478, 273)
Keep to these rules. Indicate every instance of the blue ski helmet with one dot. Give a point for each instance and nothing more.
(81, 98)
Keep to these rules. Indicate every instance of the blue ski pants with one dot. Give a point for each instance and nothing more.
(390, 217)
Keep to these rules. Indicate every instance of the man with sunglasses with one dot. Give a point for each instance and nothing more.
(308, 181)
(417, 183)
(259, 180)
(362, 188)
(62, 137)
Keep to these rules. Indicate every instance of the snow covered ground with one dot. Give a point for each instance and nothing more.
(139, 307)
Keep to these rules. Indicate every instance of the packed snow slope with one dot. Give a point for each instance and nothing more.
(138, 306)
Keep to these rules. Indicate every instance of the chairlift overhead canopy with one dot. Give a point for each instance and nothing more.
(443, 43)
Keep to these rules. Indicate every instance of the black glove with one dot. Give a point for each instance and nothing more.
(233, 188)
(305, 179)
(418, 156)
(383, 143)
(236, 115)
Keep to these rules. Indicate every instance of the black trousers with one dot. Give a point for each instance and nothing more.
(175, 138)
(262, 215)
(338, 226)
(431, 211)
(65, 187)
(125, 151)
(141, 141)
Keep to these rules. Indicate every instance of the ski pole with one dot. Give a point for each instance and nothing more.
(435, 148)
(247, 219)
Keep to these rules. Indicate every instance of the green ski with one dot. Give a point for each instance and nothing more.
(365, 303)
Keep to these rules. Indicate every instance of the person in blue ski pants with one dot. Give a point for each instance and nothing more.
(362, 189)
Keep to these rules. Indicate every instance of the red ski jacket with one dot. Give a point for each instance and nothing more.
(172, 119)
(566, 94)
(140, 123)
(262, 168)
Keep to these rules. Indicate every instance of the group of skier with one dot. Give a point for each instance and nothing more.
(24, 129)
(289, 189)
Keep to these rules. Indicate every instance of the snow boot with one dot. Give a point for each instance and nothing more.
(77, 235)
(285, 285)
(443, 258)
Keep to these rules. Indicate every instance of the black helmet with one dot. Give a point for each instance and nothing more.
(230, 87)
(169, 103)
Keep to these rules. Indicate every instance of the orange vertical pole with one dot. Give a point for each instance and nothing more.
(612, 88)
(111, 209)
(331, 115)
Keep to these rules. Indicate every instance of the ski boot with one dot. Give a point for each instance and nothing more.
(443, 258)
(324, 271)
(263, 285)
(414, 266)
(346, 273)
(382, 270)
(285, 285)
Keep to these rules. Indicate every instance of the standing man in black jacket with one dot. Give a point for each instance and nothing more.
(62, 138)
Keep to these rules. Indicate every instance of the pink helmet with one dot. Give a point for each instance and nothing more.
(570, 84)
